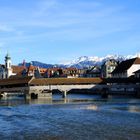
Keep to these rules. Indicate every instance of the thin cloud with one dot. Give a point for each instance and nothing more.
(4, 28)
(77, 22)
(2, 44)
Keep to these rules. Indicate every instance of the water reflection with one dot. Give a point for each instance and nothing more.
(92, 107)
(129, 108)
(56, 99)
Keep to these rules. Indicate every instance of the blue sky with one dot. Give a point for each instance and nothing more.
(53, 31)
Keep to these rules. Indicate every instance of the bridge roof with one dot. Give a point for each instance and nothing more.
(15, 81)
(65, 81)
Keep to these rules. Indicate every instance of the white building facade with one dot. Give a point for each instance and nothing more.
(108, 67)
(126, 68)
(6, 69)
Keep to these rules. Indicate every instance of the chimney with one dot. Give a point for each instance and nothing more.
(24, 63)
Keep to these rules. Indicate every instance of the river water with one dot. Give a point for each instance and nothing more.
(78, 117)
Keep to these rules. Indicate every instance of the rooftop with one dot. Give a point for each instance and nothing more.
(125, 65)
(66, 81)
(15, 81)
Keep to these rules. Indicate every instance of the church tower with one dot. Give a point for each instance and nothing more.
(8, 67)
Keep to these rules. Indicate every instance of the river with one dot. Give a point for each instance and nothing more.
(78, 117)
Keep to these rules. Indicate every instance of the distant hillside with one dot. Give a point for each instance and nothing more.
(38, 64)
(42, 65)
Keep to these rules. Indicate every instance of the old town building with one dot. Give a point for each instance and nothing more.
(127, 68)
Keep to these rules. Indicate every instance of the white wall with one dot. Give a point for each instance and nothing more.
(132, 69)
(38, 89)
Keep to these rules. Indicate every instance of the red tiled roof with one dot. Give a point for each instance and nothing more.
(18, 69)
(71, 68)
(42, 70)
(137, 60)
(32, 68)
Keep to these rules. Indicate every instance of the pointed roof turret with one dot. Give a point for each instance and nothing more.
(7, 56)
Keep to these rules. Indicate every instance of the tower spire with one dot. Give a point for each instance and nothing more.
(8, 65)
(24, 63)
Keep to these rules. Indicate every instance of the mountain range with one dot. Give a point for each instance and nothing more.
(82, 62)
(86, 61)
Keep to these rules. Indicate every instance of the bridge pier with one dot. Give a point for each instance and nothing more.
(105, 93)
(34, 95)
(64, 94)
(137, 90)
(27, 96)
(47, 95)
(37, 92)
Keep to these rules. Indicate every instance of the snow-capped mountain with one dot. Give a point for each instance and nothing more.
(86, 61)
(83, 61)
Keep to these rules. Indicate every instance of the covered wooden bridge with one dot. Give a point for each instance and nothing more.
(42, 87)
